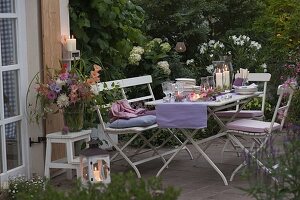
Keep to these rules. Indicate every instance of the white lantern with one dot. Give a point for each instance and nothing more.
(94, 164)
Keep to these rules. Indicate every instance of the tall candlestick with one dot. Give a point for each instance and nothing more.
(71, 44)
(219, 79)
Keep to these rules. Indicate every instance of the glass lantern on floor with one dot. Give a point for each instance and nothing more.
(94, 164)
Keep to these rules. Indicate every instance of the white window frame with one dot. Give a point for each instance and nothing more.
(22, 68)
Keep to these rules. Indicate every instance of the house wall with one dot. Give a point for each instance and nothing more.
(34, 55)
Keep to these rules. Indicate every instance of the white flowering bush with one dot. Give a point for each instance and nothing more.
(151, 56)
(244, 52)
(21, 184)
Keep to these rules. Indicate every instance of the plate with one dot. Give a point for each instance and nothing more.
(243, 92)
(186, 79)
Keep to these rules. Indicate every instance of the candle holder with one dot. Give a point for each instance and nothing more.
(228, 72)
(218, 74)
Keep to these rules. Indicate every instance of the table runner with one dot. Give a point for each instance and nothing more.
(181, 115)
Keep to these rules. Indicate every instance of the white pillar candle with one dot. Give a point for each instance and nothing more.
(71, 44)
(227, 79)
(219, 79)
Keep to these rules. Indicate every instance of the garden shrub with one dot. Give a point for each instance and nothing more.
(123, 186)
(284, 167)
(107, 29)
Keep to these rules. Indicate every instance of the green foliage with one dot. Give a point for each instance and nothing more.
(279, 26)
(123, 186)
(20, 185)
(287, 172)
(107, 29)
(294, 112)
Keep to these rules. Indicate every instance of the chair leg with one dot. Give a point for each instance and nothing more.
(251, 154)
(153, 148)
(114, 156)
(120, 151)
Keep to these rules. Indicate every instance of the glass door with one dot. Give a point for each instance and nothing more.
(12, 120)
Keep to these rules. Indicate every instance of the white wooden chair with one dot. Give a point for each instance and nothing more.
(258, 78)
(136, 131)
(259, 131)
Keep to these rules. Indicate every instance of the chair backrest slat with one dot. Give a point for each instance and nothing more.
(260, 77)
(125, 83)
(282, 91)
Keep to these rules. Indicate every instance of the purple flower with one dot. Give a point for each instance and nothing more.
(65, 130)
(51, 95)
(54, 87)
(64, 76)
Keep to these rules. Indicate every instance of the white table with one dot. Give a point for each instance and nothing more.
(70, 161)
(212, 108)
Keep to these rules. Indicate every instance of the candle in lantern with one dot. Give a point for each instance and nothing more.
(71, 44)
(226, 77)
(97, 174)
(219, 79)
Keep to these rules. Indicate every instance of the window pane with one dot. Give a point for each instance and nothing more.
(8, 41)
(1, 158)
(13, 145)
(7, 6)
(10, 93)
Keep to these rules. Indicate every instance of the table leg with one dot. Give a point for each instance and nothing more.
(174, 154)
(190, 138)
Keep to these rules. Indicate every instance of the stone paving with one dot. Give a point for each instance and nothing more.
(196, 178)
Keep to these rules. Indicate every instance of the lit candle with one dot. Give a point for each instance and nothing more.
(219, 79)
(71, 44)
(226, 77)
(97, 174)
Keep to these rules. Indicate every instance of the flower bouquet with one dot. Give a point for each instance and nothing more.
(67, 92)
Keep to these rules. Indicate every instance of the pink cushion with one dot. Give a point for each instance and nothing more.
(250, 125)
(241, 114)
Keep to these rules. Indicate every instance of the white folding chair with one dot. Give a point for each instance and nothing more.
(258, 78)
(254, 114)
(259, 131)
(136, 131)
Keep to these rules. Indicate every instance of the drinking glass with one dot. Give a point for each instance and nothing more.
(211, 82)
(167, 88)
(204, 83)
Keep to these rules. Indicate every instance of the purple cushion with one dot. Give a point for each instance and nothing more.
(238, 82)
(141, 121)
(250, 125)
(241, 114)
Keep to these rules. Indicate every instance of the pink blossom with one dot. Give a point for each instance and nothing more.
(51, 95)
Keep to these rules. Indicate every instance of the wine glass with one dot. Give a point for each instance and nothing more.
(167, 88)
(211, 82)
(204, 83)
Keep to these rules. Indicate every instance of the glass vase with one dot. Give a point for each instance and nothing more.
(73, 117)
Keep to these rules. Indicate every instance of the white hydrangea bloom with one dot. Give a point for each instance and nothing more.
(165, 46)
(63, 101)
(164, 65)
(134, 59)
(137, 50)
(158, 40)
